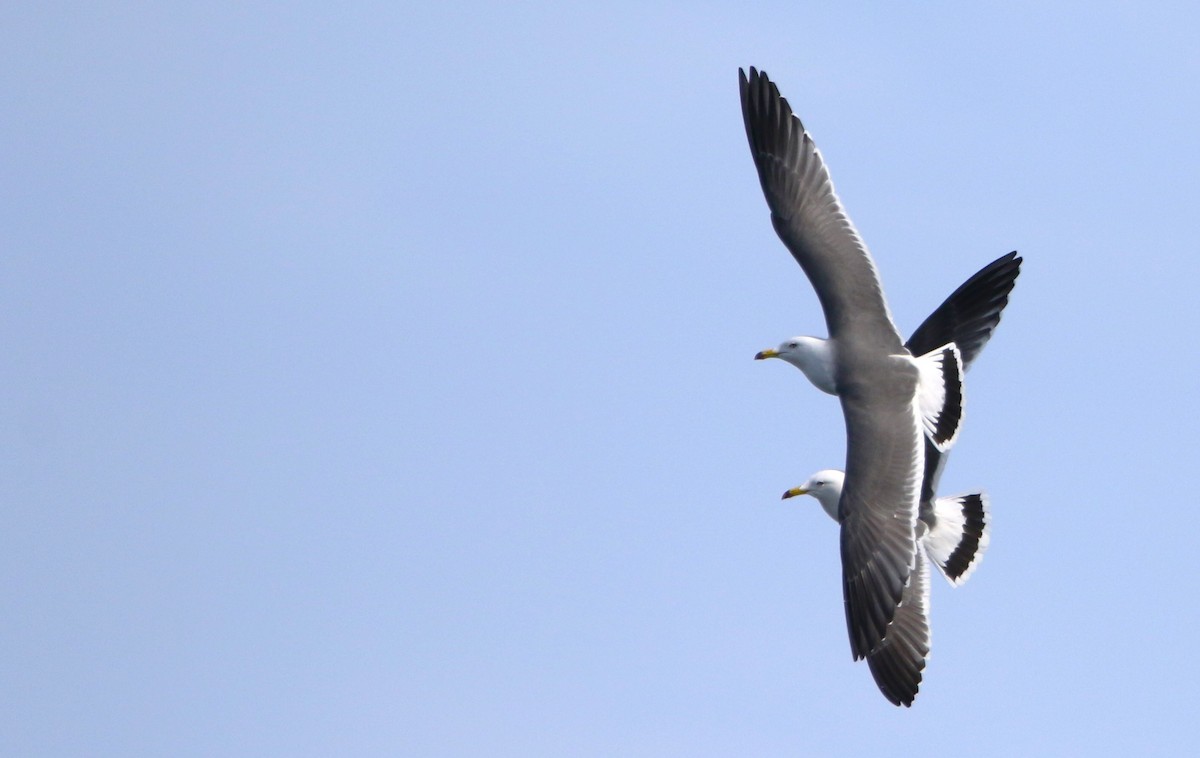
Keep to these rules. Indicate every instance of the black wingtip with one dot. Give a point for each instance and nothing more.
(942, 421)
(973, 540)
(898, 680)
(972, 312)
(952, 410)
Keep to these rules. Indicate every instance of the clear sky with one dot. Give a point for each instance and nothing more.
(378, 380)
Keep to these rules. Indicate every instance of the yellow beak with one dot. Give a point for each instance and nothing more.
(768, 353)
(794, 492)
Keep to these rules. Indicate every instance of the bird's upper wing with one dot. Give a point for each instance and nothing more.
(810, 219)
(968, 317)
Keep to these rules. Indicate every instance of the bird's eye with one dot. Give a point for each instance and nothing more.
(791, 344)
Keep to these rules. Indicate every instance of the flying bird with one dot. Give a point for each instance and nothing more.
(952, 533)
(892, 401)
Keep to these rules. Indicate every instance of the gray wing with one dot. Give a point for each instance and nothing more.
(879, 503)
(967, 318)
(898, 662)
(810, 219)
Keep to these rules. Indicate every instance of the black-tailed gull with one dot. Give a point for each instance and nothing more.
(891, 400)
(952, 532)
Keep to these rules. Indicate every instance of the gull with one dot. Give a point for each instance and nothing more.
(952, 533)
(892, 401)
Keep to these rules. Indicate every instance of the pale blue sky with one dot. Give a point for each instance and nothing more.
(379, 381)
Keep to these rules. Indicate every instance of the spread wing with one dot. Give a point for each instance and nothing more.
(810, 219)
(879, 504)
(968, 317)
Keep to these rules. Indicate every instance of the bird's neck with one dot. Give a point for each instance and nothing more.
(829, 502)
(817, 364)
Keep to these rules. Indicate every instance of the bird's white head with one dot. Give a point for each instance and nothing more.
(812, 355)
(825, 486)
